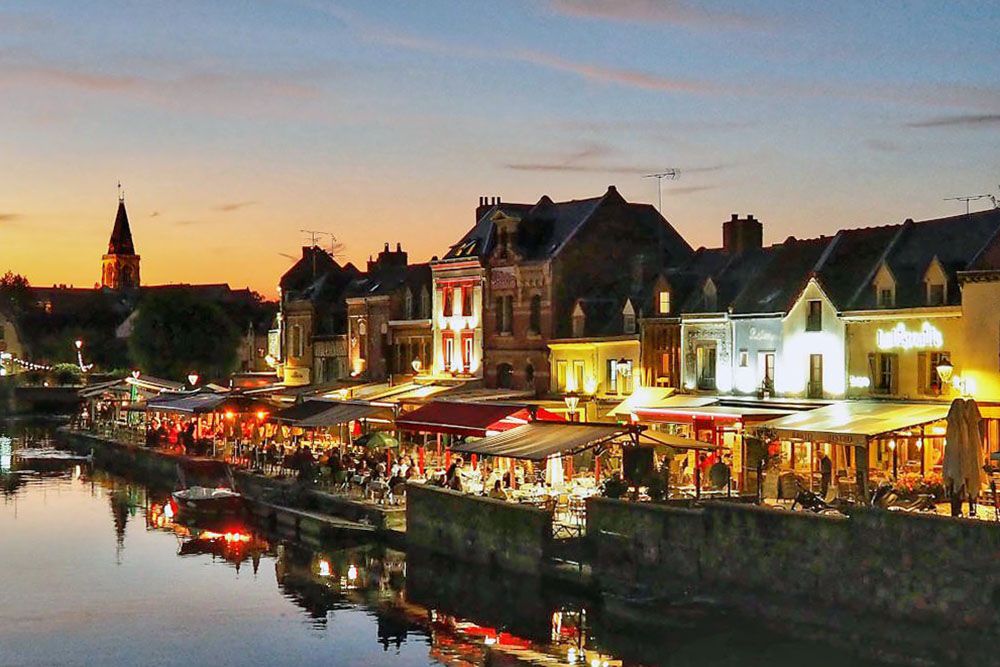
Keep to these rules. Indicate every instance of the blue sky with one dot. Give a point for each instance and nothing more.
(233, 125)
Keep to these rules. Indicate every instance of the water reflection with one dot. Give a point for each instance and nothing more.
(109, 573)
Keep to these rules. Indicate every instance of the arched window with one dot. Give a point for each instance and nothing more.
(505, 376)
(535, 321)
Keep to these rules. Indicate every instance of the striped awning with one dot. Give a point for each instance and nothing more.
(537, 441)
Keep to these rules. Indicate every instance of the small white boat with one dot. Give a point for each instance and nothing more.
(204, 500)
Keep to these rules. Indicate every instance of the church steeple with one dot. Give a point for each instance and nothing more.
(120, 267)
(121, 235)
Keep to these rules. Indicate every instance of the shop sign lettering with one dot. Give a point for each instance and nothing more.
(901, 338)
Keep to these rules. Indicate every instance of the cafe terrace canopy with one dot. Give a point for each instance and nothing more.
(854, 423)
(319, 413)
(537, 441)
(470, 419)
(205, 402)
(675, 441)
(654, 402)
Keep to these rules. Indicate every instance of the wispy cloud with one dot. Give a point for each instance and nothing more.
(622, 76)
(689, 189)
(882, 145)
(668, 12)
(986, 120)
(154, 214)
(9, 217)
(234, 206)
(186, 223)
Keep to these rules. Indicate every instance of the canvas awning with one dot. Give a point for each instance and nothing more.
(642, 397)
(469, 419)
(205, 402)
(663, 409)
(320, 413)
(537, 441)
(853, 423)
(661, 439)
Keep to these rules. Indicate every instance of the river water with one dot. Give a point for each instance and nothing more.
(94, 571)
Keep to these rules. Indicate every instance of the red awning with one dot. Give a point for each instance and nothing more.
(472, 419)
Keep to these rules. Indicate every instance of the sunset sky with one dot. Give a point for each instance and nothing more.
(233, 125)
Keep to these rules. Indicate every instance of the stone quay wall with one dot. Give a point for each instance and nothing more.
(932, 570)
(476, 529)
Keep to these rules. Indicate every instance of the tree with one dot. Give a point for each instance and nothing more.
(15, 293)
(176, 333)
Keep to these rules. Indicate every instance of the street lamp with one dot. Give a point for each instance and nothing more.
(417, 365)
(572, 400)
(945, 370)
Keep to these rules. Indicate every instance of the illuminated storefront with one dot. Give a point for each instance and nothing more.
(601, 367)
(897, 354)
(457, 318)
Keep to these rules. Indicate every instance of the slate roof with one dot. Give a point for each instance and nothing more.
(786, 270)
(121, 236)
(547, 226)
(478, 241)
(955, 241)
(388, 280)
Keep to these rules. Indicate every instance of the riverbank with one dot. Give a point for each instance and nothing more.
(915, 590)
(311, 515)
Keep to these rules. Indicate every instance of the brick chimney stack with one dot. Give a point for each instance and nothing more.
(485, 204)
(742, 234)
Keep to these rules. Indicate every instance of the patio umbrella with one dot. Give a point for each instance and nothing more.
(554, 470)
(377, 439)
(973, 443)
(960, 467)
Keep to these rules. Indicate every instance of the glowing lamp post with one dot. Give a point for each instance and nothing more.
(417, 365)
(945, 371)
(895, 460)
(572, 400)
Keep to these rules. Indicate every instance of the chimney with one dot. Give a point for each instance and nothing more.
(742, 234)
(485, 204)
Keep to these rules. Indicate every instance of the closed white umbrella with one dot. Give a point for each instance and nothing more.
(554, 471)
(952, 467)
(972, 459)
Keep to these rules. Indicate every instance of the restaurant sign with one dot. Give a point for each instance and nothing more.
(901, 338)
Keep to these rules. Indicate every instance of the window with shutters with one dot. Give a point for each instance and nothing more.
(884, 371)
(927, 363)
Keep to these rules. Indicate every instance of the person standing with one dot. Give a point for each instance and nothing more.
(825, 474)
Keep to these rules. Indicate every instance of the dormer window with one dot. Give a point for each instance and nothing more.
(885, 288)
(579, 321)
(936, 284)
(628, 317)
(664, 302)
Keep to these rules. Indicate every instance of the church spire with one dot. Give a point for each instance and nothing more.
(120, 267)
(121, 236)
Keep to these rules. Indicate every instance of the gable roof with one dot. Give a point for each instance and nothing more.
(786, 269)
(121, 236)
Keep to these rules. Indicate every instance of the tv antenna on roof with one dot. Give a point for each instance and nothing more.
(669, 174)
(314, 235)
(969, 198)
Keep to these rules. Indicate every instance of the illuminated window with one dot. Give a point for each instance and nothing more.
(467, 351)
(578, 367)
(744, 359)
(664, 302)
(612, 379)
(815, 388)
(927, 363)
(814, 316)
(561, 375)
